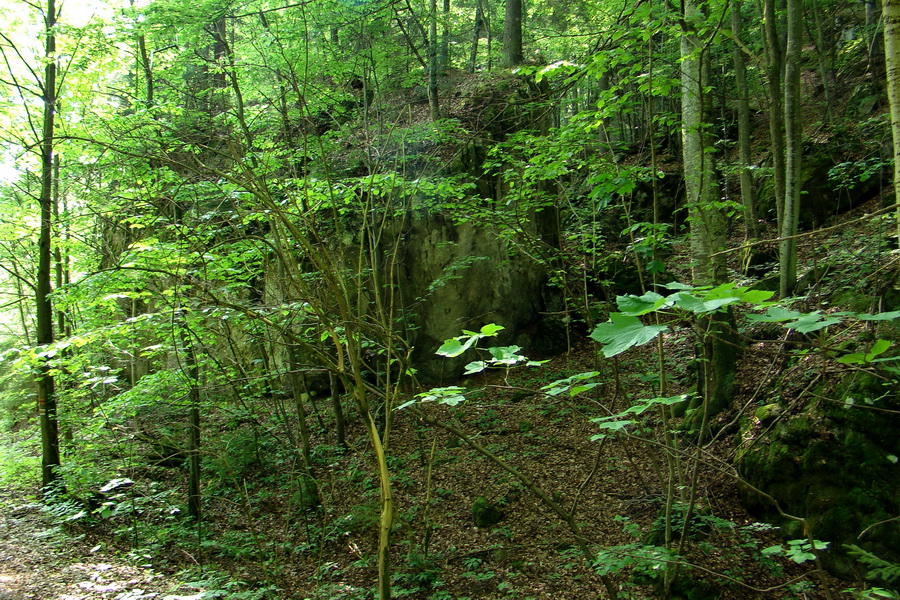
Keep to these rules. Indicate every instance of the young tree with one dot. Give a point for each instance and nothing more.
(748, 198)
(891, 11)
(794, 151)
(512, 34)
(707, 223)
(46, 382)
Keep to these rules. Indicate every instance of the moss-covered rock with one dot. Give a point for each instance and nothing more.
(485, 513)
(835, 465)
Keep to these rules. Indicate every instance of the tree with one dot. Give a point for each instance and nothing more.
(891, 11)
(787, 248)
(748, 198)
(774, 74)
(707, 223)
(47, 409)
(512, 34)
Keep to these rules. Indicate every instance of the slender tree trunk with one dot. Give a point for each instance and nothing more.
(873, 33)
(707, 223)
(433, 59)
(748, 199)
(776, 106)
(824, 57)
(476, 35)
(445, 38)
(193, 374)
(512, 34)
(787, 248)
(891, 11)
(43, 309)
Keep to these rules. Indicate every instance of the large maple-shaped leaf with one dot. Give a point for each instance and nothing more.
(622, 332)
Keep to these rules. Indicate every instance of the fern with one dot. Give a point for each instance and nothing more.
(877, 568)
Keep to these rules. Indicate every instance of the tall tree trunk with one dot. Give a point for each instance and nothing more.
(787, 248)
(748, 198)
(512, 34)
(824, 57)
(476, 35)
(776, 106)
(193, 374)
(433, 58)
(891, 11)
(707, 223)
(43, 309)
(444, 64)
(873, 32)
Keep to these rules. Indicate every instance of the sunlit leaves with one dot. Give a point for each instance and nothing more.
(623, 332)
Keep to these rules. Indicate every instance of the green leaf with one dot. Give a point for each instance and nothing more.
(813, 321)
(775, 314)
(476, 366)
(856, 358)
(885, 316)
(640, 305)
(451, 348)
(623, 332)
(683, 287)
(756, 296)
(582, 388)
(491, 329)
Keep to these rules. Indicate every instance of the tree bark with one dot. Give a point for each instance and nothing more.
(748, 199)
(433, 58)
(787, 248)
(707, 223)
(476, 35)
(46, 383)
(445, 38)
(512, 35)
(776, 106)
(891, 12)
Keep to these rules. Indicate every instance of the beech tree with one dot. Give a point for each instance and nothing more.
(891, 12)
(794, 150)
(512, 34)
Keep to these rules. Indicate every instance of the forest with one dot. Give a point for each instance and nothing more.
(457, 300)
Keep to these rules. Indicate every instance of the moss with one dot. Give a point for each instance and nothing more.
(768, 413)
(797, 430)
(484, 513)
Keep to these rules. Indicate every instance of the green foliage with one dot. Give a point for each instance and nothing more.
(799, 551)
(877, 568)
(617, 422)
(624, 330)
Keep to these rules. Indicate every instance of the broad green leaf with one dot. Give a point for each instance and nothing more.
(700, 306)
(640, 305)
(623, 332)
(810, 322)
(775, 314)
(491, 329)
(756, 296)
(879, 347)
(721, 291)
(454, 347)
(582, 388)
(856, 358)
(678, 286)
(506, 354)
(476, 366)
(885, 316)
(611, 426)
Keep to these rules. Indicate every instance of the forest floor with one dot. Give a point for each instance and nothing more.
(41, 561)
(257, 531)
